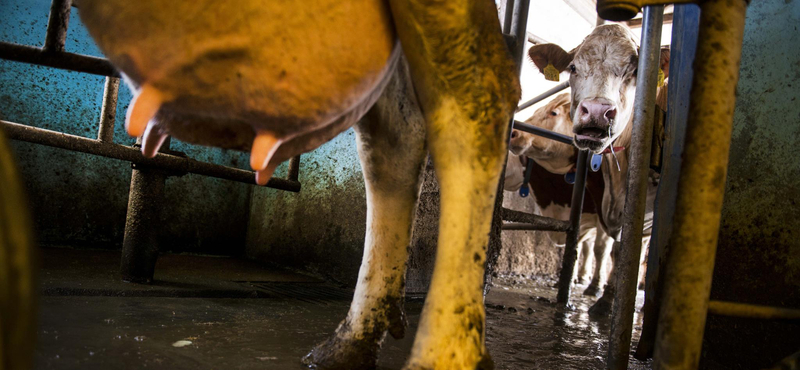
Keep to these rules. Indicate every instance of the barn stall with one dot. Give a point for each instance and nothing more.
(253, 277)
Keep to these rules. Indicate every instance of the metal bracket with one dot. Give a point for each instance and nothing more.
(622, 10)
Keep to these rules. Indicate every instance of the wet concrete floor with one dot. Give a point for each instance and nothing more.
(224, 313)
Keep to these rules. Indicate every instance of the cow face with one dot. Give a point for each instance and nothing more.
(603, 83)
(555, 116)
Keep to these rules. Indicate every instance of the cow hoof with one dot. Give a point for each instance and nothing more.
(342, 354)
(592, 291)
(600, 309)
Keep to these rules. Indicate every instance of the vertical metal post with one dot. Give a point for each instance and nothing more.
(684, 41)
(571, 248)
(143, 223)
(108, 112)
(57, 24)
(690, 262)
(627, 263)
(516, 21)
(294, 168)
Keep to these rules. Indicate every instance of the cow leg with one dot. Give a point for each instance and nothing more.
(643, 261)
(391, 145)
(467, 87)
(602, 248)
(585, 240)
(602, 307)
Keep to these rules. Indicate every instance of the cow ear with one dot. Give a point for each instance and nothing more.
(544, 54)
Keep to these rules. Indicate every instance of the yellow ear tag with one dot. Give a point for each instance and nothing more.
(551, 73)
(660, 77)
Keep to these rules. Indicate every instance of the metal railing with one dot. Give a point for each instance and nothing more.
(148, 175)
(526, 221)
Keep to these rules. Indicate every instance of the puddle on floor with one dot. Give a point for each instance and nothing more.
(524, 331)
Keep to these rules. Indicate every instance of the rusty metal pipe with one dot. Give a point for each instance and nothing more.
(169, 162)
(57, 22)
(521, 226)
(516, 21)
(140, 243)
(108, 112)
(626, 266)
(294, 169)
(573, 234)
(690, 262)
(57, 59)
(546, 223)
(752, 311)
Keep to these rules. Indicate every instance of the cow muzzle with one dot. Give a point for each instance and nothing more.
(595, 118)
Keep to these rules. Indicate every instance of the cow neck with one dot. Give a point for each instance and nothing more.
(616, 180)
(559, 169)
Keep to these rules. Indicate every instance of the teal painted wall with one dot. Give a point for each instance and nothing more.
(322, 228)
(758, 258)
(79, 199)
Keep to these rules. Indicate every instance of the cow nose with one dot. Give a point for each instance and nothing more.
(599, 111)
(514, 134)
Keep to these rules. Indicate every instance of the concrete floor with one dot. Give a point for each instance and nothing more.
(236, 314)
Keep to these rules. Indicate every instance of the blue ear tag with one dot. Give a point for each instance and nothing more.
(569, 177)
(597, 160)
(524, 191)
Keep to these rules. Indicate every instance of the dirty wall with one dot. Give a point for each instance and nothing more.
(758, 257)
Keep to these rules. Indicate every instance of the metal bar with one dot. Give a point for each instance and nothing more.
(164, 161)
(684, 40)
(752, 311)
(542, 132)
(57, 59)
(546, 223)
(533, 39)
(690, 263)
(524, 226)
(627, 264)
(294, 169)
(516, 19)
(543, 95)
(140, 243)
(108, 112)
(57, 22)
(508, 19)
(573, 234)
(520, 27)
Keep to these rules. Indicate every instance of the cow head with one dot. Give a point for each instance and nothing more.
(603, 83)
(554, 116)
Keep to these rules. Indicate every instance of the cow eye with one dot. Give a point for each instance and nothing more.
(553, 113)
(572, 68)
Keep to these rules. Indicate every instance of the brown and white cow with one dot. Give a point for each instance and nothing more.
(603, 85)
(279, 78)
(552, 195)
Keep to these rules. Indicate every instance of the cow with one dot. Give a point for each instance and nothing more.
(279, 78)
(602, 76)
(551, 160)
